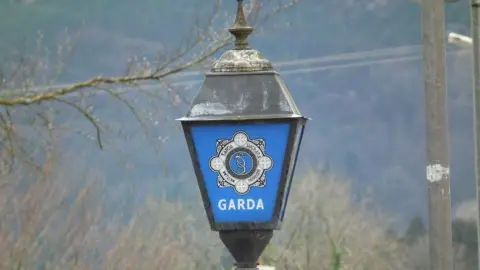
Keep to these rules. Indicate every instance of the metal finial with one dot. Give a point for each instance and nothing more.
(240, 29)
(241, 58)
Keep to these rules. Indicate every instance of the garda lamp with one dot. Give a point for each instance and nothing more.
(243, 132)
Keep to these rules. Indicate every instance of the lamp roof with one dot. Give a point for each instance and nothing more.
(242, 96)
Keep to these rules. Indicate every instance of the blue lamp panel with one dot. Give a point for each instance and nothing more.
(241, 167)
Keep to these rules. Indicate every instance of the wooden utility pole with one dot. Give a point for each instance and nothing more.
(438, 156)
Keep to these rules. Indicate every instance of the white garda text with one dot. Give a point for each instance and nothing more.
(240, 204)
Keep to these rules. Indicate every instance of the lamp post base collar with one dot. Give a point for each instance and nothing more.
(246, 246)
(259, 267)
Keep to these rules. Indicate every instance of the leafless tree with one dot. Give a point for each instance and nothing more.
(326, 229)
(418, 256)
(29, 93)
(57, 214)
(57, 222)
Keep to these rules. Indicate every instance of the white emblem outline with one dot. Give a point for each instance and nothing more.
(255, 148)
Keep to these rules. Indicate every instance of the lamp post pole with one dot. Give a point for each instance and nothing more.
(474, 43)
(476, 96)
(437, 140)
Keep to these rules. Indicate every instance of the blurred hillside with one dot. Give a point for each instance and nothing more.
(368, 120)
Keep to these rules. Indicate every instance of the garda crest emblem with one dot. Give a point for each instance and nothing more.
(241, 163)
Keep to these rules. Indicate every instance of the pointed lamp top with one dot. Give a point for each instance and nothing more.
(241, 58)
(240, 29)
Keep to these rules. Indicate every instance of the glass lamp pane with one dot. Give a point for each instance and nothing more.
(241, 166)
(296, 148)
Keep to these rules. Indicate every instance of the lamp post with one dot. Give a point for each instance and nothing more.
(474, 43)
(243, 131)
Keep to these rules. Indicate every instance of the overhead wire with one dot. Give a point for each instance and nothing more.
(370, 57)
(383, 60)
(336, 57)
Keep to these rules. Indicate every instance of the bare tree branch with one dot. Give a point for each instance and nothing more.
(161, 72)
(86, 115)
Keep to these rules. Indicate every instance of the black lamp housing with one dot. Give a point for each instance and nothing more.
(243, 132)
(239, 99)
